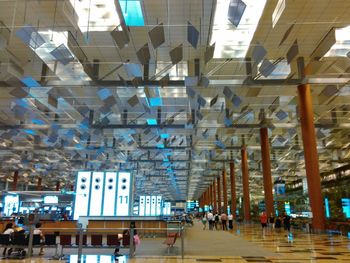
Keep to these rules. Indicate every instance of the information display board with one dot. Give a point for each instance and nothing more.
(150, 205)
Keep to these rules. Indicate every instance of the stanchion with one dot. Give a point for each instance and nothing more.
(131, 246)
(30, 242)
(80, 247)
(182, 242)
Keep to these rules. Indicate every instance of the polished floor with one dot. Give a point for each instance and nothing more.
(270, 246)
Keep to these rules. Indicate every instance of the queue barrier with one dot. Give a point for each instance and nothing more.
(85, 238)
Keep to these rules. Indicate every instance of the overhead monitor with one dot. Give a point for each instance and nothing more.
(11, 204)
(51, 199)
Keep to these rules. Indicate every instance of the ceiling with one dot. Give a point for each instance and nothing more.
(93, 108)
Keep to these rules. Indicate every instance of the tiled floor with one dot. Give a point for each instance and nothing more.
(296, 248)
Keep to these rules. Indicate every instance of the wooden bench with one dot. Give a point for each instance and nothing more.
(170, 241)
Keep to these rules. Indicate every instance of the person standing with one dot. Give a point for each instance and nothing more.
(210, 218)
(230, 221)
(272, 221)
(224, 221)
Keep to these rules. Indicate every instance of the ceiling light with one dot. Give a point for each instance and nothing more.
(232, 41)
(342, 46)
(95, 15)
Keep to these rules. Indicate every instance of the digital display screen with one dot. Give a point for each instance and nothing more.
(11, 204)
(346, 206)
(50, 199)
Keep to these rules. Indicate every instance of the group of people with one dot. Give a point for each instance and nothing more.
(217, 221)
(275, 222)
(12, 230)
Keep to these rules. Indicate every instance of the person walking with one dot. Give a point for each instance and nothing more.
(278, 224)
(216, 220)
(286, 222)
(230, 221)
(263, 221)
(204, 221)
(224, 221)
(210, 218)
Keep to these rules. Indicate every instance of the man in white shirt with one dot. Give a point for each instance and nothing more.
(230, 221)
(210, 218)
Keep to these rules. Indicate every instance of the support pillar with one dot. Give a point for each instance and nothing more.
(38, 186)
(15, 181)
(233, 190)
(311, 157)
(57, 186)
(219, 194)
(224, 189)
(215, 207)
(245, 178)
(266, 165)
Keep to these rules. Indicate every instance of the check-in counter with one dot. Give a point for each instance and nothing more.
(146, 226)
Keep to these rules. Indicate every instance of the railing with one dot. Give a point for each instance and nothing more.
(103, 233)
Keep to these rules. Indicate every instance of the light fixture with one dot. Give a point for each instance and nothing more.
(95, 15)
(232, 41)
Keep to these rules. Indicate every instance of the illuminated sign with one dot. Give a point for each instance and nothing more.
(11, 204)
(123, 201)
(96, 194)
(159, 206)
(153, 205)
(167, 209)
(148, 206)
(81, 204)
(110, 189)
(142, 204)
(102, 194)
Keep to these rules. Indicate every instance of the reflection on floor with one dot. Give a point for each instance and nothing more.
(298, 247)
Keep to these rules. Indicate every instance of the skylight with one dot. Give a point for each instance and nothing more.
(96, 15)
(342, 46)
(231, 41)
(132, 12)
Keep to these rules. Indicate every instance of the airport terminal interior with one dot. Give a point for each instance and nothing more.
(172, 131)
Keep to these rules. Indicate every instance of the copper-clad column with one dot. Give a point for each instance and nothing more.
(311, 157)
(219, 194)
(15, 181)
(233, 190)
(224, 189)
(38, 186)
(215, 207)
(266, 165)
(245, 178)
(57, 186)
